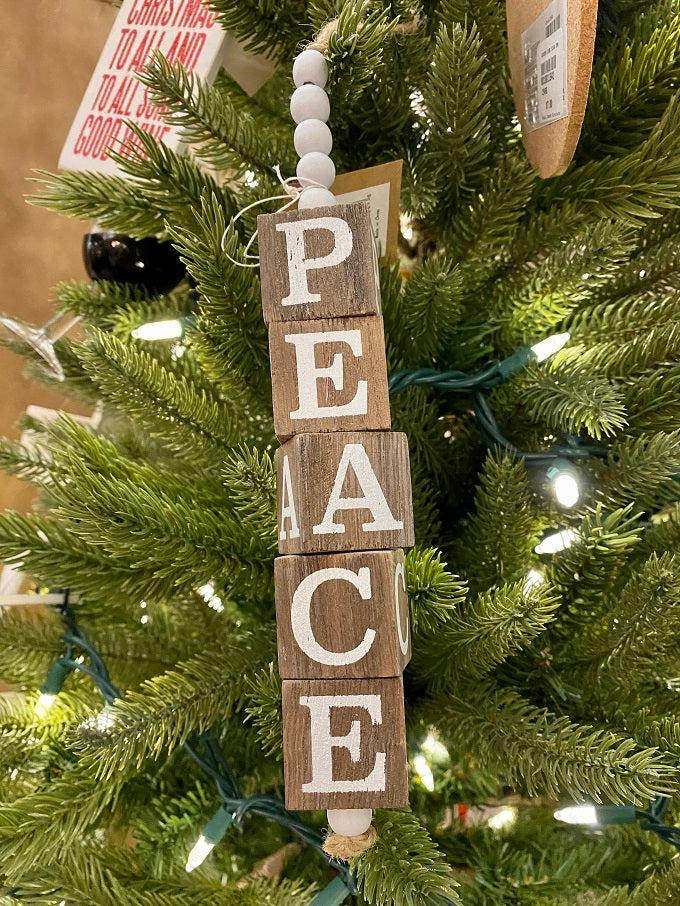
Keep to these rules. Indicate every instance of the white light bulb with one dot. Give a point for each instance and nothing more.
(207, 592)
(200, 852)
(545, 348)
(99, 722)
(577, 814)
(566, 489)
(44, 703)
(532, 580)
(434, 748)
(503, 818)
(558, 542)
(424, 772)
(159, 330)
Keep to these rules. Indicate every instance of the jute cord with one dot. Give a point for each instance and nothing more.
(345, 848)
(323, 36)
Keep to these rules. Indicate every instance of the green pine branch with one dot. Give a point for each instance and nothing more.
(234, 333)
(188, 420)
(404, 866)
(631, 642)
(643, 471)
(168, 709)
(497, 543)
(473, 640)
(455, 101)
(550, 755)
(224, 135)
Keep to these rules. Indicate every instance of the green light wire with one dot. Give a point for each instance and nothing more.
(211, 760)
(476, 386)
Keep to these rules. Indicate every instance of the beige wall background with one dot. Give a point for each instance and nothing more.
(49, 51)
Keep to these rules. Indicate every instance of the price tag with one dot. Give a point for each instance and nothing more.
(550, 48)
(185, 31)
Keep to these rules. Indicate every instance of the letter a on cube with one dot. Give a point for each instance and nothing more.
(342, 615)
(318, 263)
(344, 743)
(344, 491)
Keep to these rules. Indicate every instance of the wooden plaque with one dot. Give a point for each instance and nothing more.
(344, 743)
(329, 375)
(551, 46)
(344, 491)
(318, 263)
(342, 615)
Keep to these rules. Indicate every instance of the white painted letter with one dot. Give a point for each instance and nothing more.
(300, 616)
(322, 744)
(354, 455)
(287, 504)
(399, 575)
(308, 373)
(298, 264)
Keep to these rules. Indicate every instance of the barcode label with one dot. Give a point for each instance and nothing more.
(547, 69)
(544, 46)
(553, 25)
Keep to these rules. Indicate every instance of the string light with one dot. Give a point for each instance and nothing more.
(434, 748)
(207, 592)
(564, 483)
(546, 348)
(577, 814)
(596, 815)
(566, 489)
(159, 330)
(557, 542)
(424, 772)
(44, 704)
(503, 818)
(532, 580)
(205, 751)
(99, 722)
(211, 835)
(54, 683)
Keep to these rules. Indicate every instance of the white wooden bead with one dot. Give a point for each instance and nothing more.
(309, 102)
(314, 197)
(316, 167)
(312, 135)
(310, 66)
(350, 822)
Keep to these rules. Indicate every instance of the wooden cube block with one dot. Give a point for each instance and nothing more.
(318, 263)
(342, 615)
(344, 491)
(344, 743)
(329, 375)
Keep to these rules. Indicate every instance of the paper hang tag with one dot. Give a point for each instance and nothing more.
(381, 187)
(551, 46)
(185, 31)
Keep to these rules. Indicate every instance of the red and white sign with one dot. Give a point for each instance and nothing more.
(185, 31)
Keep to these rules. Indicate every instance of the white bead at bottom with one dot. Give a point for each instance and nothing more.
(349, 822)
(316, 197)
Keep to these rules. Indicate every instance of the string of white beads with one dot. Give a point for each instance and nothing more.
(310, 108)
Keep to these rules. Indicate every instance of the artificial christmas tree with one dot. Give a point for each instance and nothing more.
(544, 586)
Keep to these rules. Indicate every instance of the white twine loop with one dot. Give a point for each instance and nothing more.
(293, 186)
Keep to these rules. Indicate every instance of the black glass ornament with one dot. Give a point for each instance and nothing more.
(149, 263)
